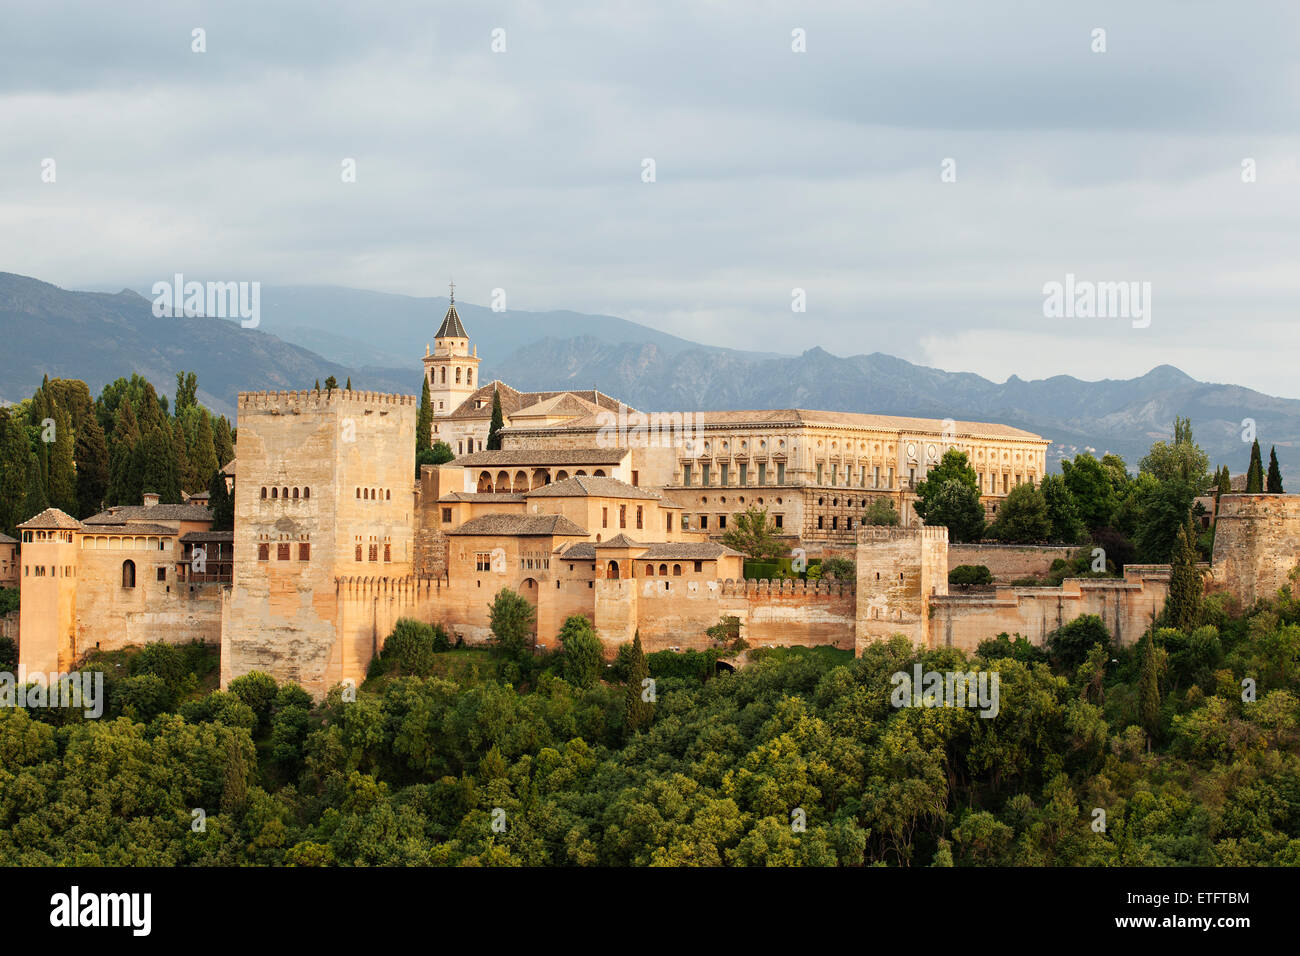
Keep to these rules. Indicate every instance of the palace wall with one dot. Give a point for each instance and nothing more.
(1256, 544)
(1007, 562)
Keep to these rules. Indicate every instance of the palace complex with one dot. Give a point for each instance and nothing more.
(588, 508)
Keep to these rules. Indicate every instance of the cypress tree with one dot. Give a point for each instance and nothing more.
(223, 442)
(222, 504)
(638, 712)
(123, 459)
(1186, 585)
(35, 501)
(317, 385)
(348, 386)
(1274, 473)
(14, 455)
(92, 466)
(202, 458)
(1225, 481)
(498, 422)
(1149, 687)
(1255, 473)
(62, 488)
(424, 422)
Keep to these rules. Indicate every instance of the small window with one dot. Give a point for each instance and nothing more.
(162, 574)
(263, 491)
(128, 574)
(358, 555)
(699, 566)
(275, 493)
(304, 551)
(388, 553)
(446, 514)
(282, 551)
(374, 552)
(263, 552)
(306, 492)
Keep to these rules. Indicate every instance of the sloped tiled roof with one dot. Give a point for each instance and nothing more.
(586, 486)
(582, 551)
(563, 404)
(200, 536)
(512, 400)
(542, 456)
(620, 541)
(689, 551)
(123, 513)
(135, 527)
(485, 496)
(5, 539)
(803, 416)
(52, 518)
(519, 526)
(451, 327)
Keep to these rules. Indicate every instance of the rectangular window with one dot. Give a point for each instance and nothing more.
(780, 522)
(891, 478)
(604, 517)
(482, 561)
(762, 472)
(686, 475)
(304, 551)
(704, 522)
(724, 471)
(704, 474)
(446, 514)
(388, 552)
(722, 522)
(374, 552)
(1005, 480)
(911, 477)
(638, 517)
(622, 516)
(744, 473)
(358, 557)
(819, 472)
(699, 566)
(162, 574)
(669, 518)
(282, 551)
(636, 479)
(780, 473)
(263, 552)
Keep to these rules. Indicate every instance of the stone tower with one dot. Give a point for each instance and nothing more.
(47, 613)
(451, 369)
(323, 491)
(899, 570)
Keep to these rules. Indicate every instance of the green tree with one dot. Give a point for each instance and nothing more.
(62, 488)
(498, 422)
(881, 512)
(201, 457)
(223, 443)
(1186, 584)
(1149, 686)
(14, 454)
(124, 474)
(638, 706)
(1091, 487)
(1061, 510)
(953, 466)
(956, 506)
(222, 504)
(348, 386)
(1023, 517)
(1274, 486)
(753, 533)
(1069, 645)
(512, 620)
(583, 652)
(1224, 484)
(331, 383)
(424, 420)
(1255, 472)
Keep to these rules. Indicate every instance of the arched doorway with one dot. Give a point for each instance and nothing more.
(611, 571)
(484, 483)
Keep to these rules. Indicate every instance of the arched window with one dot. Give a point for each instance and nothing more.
(358, 492)
(295, 493)
(284, 493)
(663, 569)
(677, 570)
(306, 492)
(649, 570)
(128, 574)
(598, 473)
(458, 375)
(612, 571)
(388, 495)
(469, 376)
(275, 493)
(263, 491)
(444, 375)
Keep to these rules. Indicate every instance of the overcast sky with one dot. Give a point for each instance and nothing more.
(774, 169)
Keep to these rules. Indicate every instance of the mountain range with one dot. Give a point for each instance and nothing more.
(307, 333)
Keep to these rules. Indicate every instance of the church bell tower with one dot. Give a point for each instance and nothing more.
(451, 369)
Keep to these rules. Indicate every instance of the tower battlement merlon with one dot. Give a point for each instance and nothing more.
(310, 398)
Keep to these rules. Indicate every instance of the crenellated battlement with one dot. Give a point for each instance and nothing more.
(786, 587)
(310, 399)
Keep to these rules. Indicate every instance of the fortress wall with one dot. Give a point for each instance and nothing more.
(898, 570)
(1008, 561)
(1127, 607)
(1256, 544)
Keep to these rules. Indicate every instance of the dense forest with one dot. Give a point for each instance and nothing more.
(1182, 750)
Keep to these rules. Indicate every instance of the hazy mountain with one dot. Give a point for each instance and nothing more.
(309, 333)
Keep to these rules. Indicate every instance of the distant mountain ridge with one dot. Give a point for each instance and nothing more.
(310, 333)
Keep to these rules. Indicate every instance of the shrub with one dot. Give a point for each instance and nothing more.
(966, 575)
